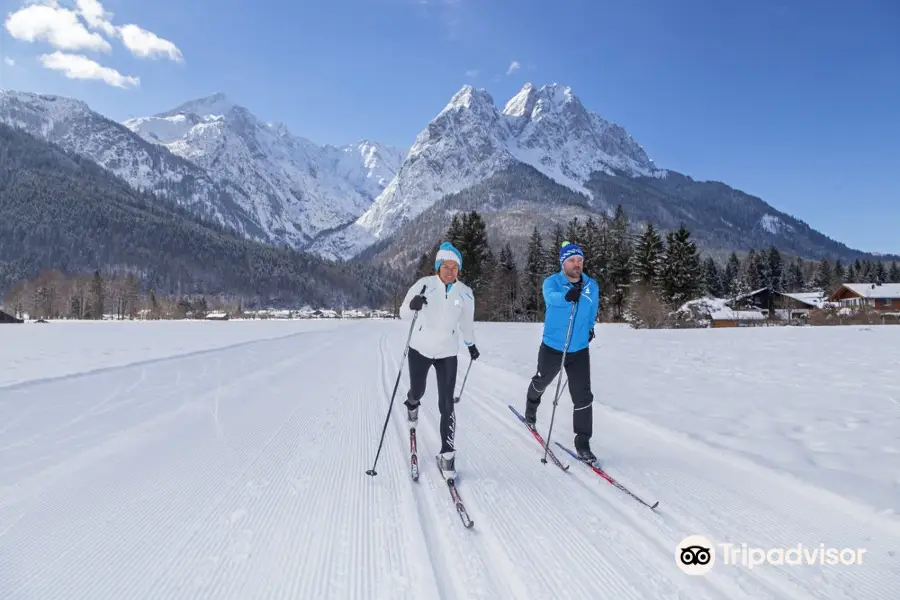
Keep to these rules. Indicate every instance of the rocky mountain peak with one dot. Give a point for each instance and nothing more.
(218, 104)
(470, 139)
(531, 102)
(477, 100)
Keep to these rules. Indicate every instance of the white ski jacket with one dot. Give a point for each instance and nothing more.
(447, 312)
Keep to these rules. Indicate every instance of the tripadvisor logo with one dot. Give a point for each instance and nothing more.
(696, 555)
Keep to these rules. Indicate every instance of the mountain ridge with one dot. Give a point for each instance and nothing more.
(297, 188)
(75, 127)
(61, 210)
(471, 138)
(273, 207)
(515, 201)
(216, 158)
(548, 128)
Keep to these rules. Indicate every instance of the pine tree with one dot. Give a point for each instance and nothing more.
(557, 237)
(575, 232)
(619, 251)
(822, 277)
(506, 282)
(595, 263)
(894, 273)
(425, 265)
(865, 272)
(733, 277)
(794, 281)
(455, 231)
(473, 245)
(753, 270)
(98, 296)
(488, 293)
(132, 295)
(880, 273)
(532, 294)
(775, 270)
(647, 260)
(837, 274)
(682, 270)
(712, 279)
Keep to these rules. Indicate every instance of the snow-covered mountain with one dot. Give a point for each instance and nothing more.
(471, 139)
(72, 125)
(294, 188)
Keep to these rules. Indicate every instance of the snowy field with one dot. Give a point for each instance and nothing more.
(226, 460)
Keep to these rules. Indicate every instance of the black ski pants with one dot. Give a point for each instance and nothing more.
(578, 369)
(445, 370)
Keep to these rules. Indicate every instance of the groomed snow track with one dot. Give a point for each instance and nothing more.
(240, 473)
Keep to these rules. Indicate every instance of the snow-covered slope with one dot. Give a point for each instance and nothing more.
(187, 460)
(72, 125)
(557, 135)
(295, 188)
(471, 139)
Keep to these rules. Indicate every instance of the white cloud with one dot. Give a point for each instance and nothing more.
(9, 62)
(513, 66)
(80, 29)
(472, 73)
(57, 26)
(146, 44)
(96, 16)
(75, 66)
(44, 20)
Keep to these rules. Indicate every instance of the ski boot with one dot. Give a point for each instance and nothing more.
(583, 449)
(530, 413)
(448, 465)
(412, 415)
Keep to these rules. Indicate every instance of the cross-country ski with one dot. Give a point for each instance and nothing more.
(540, 440)
(606, 476)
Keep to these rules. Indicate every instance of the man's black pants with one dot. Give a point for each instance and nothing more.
(578, 369)
(445, 370)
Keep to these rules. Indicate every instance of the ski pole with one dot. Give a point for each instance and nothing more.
(559, 382)
(456, 399)
(387, 417)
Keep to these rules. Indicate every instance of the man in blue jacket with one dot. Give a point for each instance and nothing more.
(567, 289)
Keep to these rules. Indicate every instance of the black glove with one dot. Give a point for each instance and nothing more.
(591, 334)
(417, 302)
(573, 294)
(473, 352)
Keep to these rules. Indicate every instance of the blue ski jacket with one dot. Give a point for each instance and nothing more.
(556, 317)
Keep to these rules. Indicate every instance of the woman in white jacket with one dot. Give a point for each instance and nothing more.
(446, 308)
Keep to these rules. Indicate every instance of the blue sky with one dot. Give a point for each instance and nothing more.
(796, 102)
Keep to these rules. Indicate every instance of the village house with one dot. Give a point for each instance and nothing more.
(780, 305)
(726, 317)
(879, 296)
(8, 318)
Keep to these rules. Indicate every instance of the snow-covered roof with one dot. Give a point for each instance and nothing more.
(753, 293)
(874, 290)
(812, 298)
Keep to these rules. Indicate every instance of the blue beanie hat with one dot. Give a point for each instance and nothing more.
(569, 250)
(447, 252)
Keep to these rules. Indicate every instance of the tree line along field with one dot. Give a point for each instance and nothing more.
(634, 268)
(638, 271)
